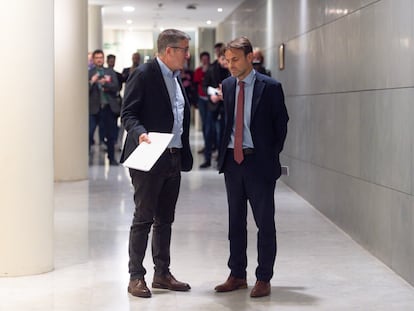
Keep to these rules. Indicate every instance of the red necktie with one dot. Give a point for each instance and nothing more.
(238, 133)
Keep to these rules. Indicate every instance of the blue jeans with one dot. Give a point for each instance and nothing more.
(94, 120)
(106, 120)
(202, 108)
(110, 132)
(214, 130)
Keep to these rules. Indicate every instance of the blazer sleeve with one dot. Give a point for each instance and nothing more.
(134, 98)
(91, 85)
(281, 118)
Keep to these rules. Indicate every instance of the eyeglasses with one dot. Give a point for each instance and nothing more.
(186, 50)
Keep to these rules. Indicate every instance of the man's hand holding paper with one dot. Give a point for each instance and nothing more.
(150, 148)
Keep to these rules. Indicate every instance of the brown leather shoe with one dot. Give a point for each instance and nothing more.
(261, 289)
(138, 288)
(168, 281)
(231, 284)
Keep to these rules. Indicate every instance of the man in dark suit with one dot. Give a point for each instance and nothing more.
(104, 107)
(253, 138)
(155, 101)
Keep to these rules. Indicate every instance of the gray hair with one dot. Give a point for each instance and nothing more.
(170, 37)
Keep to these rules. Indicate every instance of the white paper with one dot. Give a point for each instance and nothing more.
(145, 155)
(212, 91)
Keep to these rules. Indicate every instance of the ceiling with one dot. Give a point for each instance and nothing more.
(163, 14)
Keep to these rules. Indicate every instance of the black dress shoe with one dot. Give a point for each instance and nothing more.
(138, 288)
(113, 163)
(168, 281)
(231, 284)
(205, 165)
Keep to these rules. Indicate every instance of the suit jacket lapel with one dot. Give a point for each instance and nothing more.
(165, 93)
(232, 101)
(257, 94)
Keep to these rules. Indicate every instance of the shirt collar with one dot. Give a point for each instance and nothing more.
(167, 71)
(249, 78)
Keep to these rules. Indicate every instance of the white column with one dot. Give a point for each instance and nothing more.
(95, 30)
(71, 90)
(26, 135)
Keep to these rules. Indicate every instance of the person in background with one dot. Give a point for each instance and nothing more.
(187, 76)
(254, 135)
(155, 101)
(258, 60)
(110, 61)
(202, 100)
(216, 73)
(103, 104)
(136, 59)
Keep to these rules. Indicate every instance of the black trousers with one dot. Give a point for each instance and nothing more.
(155, 196)
(244, 184)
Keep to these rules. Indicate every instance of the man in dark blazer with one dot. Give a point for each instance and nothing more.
(249, 159)
(104, 107)
(155, 101)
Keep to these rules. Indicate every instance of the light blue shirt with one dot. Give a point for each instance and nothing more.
(248, 98)
(177, 102)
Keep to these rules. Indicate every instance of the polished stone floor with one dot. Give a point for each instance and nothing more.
(318, 267)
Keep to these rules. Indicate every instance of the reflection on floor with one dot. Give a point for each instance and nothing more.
(318, 267)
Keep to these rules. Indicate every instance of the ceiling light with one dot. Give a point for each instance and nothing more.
(208, 22)
(220, 10)
(129, 22)
(128, 9)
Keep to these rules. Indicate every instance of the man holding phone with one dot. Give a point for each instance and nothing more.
(103, 105)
